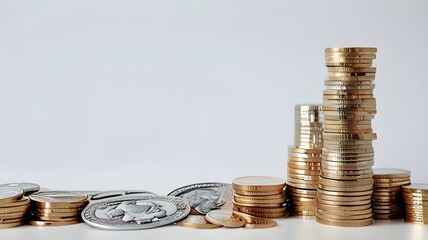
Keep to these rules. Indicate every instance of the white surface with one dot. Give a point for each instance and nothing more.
(155, 95)
(290, 228)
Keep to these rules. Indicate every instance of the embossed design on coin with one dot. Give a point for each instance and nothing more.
(205, 197)
(135, 212)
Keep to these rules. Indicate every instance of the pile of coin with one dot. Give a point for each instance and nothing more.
(304, 160)
(56, 208)
(416, 203)
(13, 207)
(346, 178)
(387, 194)
(260, 196)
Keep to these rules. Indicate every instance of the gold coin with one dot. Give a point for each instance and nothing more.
(349, 117)
(346, 194)
(19, 202)
(258, 183)
(391, 184)
(347, 64)
(305, 151)
(342, 87)
(225, 218)
(391, 173)
(344, 198)
(351, 69)
(14, 209)
(59, 210)
(12, 215)
(346, 189)
(345, 213)
(341, 217)
(350, 78)
(351, 55)
(257, 204)
(257, 193)
(304, 174)
(197, 221)
(256, 222)
(10, 194)
(59, 199)
(51, 223)
(343, 203)
(347, 83)
(352, 60)
(351, 50)
(283, 214)
(11, 225)
(50, 216)
(355, 136)
(243, 201)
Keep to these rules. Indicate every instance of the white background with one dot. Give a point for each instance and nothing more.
(154, 95)
(157, 94)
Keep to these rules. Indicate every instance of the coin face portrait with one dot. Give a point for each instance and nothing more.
(204, 200)
(138, 211)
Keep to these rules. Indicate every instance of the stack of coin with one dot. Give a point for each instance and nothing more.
(346, 178)
(13, 207)
(387, 195)
(56, 208)
(416, 203)
(304, 160)
(260, 196)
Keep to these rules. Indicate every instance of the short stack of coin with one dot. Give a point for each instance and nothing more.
(13, 207)
(56, 208)
(387, 194)
(416, 203)
(346, 178)
(260, 196)
(304, 160)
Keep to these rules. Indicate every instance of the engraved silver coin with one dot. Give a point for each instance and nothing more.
(135, 212)
(205, 197)
(28, 188)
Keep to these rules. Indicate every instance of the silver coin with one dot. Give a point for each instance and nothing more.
(28, 188)
(118, 193)
(135, 212)
(205, 197)
(7, 192)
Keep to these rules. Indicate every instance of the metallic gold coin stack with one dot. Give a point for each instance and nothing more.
(304, 160)
(56, 208)
(260, 196)
(387, 195)
(416, 203)
(13, 207)
(346, 178)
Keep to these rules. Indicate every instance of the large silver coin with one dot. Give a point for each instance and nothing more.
(28, 188)
(205, 197)
(135, 212)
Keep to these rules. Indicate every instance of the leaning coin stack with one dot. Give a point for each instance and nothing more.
(416, 203)
(304, 160)
(56, 208)
(13, 207)
(387, 195)
(346, 178)
(260, 196)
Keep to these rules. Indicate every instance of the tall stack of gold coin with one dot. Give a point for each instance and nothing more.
(304, 160)
(346, 178)
(387, 194)
(260, 196)
(56, 208)
(416, 203)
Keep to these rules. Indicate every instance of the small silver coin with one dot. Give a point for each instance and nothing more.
(135, 212)
(28, 188)
(205, 197)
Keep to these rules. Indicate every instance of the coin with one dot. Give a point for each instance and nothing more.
(116, 193)
(225, 218)
(11, 225)
(59, 199)
(52, 223)
(197, 221)
(135, 212)
(258, 183)
(205, 197)
(10, 194)
(256, 222)
(351, 50)
(28, 188)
